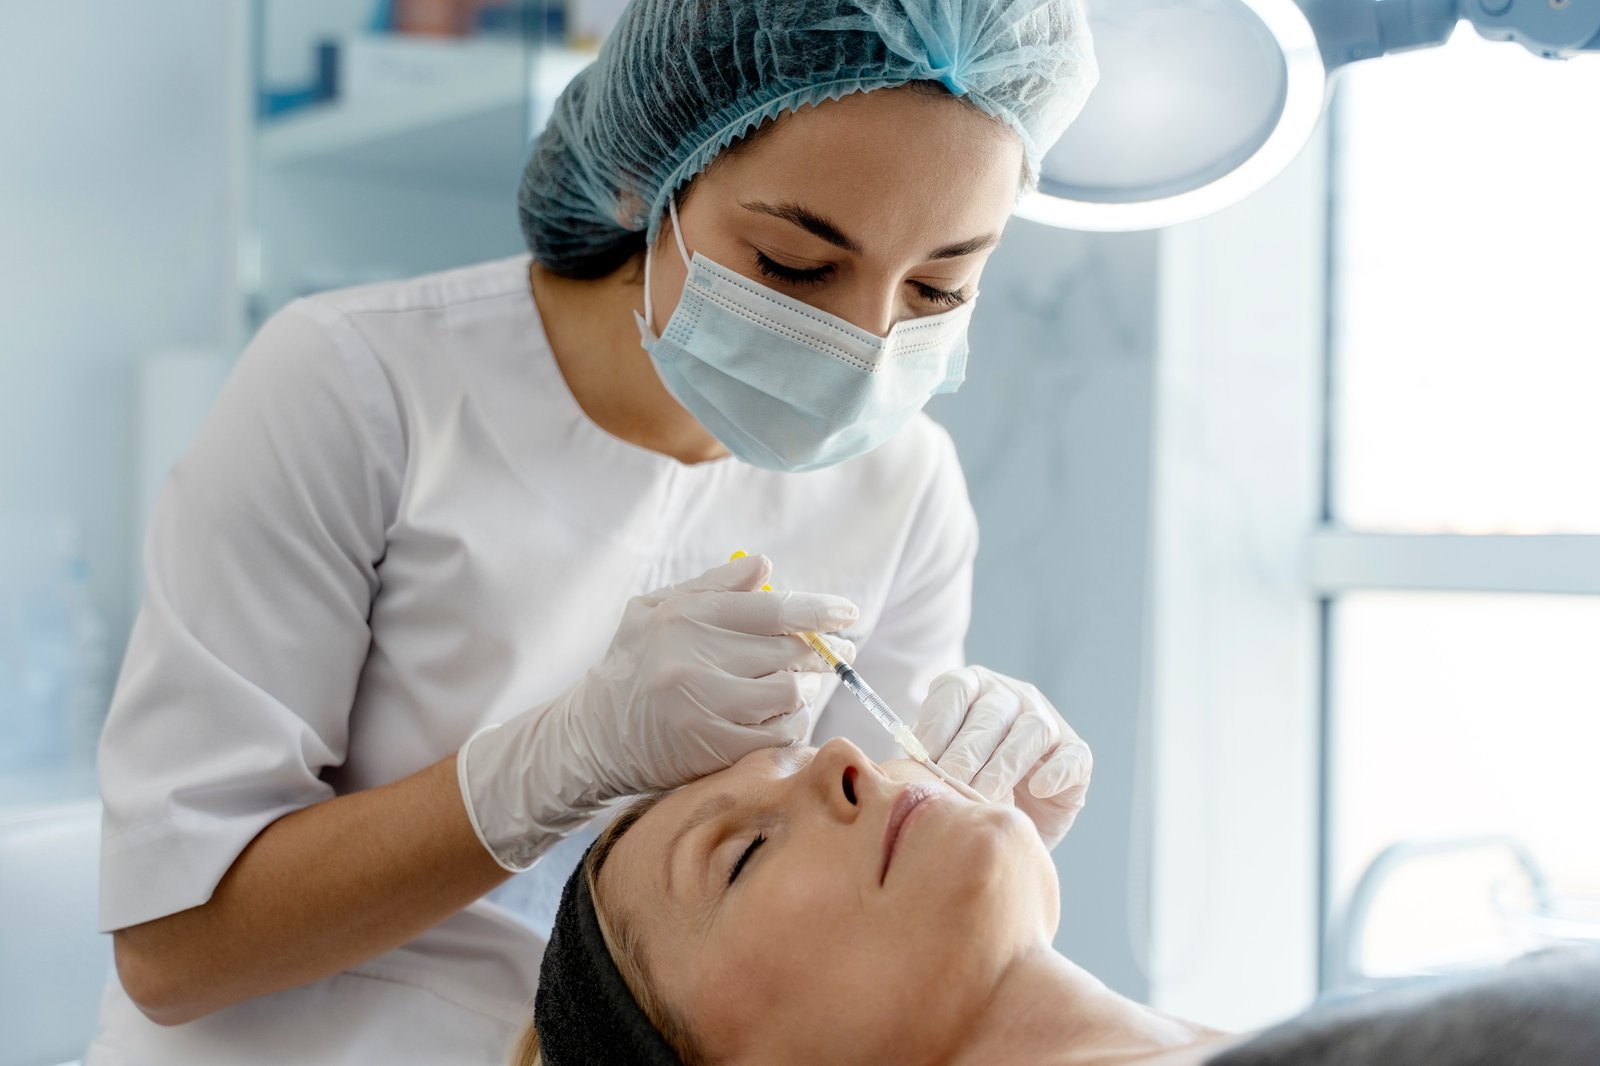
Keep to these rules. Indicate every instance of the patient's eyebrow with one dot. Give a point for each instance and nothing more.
(792, 758)
(710, 808)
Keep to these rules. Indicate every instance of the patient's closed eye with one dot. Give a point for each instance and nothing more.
(744, 857)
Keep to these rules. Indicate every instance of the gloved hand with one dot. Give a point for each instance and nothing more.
(1004, 738)
(697, 676)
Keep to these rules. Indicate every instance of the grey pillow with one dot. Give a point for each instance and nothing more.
(1541, 1010)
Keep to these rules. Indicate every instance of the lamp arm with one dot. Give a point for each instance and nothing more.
(1554, 29)
(1352, 30)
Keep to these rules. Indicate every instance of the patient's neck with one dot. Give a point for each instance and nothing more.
(1046, 1010)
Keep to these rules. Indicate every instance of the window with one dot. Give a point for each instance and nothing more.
(1461, 561)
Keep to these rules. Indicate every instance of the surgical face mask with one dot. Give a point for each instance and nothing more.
(785, 386)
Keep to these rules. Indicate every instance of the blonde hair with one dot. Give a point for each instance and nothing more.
(527, 1051)
(622, 942)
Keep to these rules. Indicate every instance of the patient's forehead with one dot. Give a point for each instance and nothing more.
(759, 767)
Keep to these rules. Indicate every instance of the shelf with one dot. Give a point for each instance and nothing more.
(428, 112)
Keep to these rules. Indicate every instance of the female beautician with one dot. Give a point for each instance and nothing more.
(436, 582)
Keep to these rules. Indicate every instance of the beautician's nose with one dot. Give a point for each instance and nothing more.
(873, 307)
(843, 778)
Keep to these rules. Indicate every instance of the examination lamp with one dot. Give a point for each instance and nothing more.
(1202, 102)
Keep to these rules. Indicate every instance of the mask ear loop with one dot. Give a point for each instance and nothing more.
(677, 230)
(677, 233)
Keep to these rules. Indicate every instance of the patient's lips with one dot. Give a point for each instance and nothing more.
(909, 799)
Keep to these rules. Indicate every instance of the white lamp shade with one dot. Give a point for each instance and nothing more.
(1200, 103)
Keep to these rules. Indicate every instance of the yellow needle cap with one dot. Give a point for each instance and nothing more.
(741, 555)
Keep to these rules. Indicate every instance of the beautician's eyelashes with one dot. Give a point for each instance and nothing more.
(942, 297)
(771, 268)
(794, 275)
(744, 857)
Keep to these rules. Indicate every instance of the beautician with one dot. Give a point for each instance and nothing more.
(444, 574)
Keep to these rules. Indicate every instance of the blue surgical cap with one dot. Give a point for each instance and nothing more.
(679, 80)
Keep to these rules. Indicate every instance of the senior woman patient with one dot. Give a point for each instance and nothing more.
(808, 905)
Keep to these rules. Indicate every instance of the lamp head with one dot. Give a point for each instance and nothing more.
(1202, 102)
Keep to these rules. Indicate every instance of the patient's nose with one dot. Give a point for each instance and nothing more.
(844, 778)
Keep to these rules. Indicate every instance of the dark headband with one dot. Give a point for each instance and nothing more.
(583, 1011)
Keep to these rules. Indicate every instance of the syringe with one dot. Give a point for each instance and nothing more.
(880, 711)
(874, 704)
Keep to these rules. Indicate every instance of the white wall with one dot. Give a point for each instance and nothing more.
(118, 196)
(1054, 429)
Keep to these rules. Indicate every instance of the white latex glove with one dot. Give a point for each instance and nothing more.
(1005, 739)
(698, 676)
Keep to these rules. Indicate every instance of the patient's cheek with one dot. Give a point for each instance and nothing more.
(796, 898)
(724, 1004)
(758, 973)
(788, 926)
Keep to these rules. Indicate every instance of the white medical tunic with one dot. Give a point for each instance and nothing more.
(395, 527)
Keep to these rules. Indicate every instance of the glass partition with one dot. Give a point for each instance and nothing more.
(389, 138)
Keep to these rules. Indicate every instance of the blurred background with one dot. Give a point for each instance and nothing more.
(1291, 510)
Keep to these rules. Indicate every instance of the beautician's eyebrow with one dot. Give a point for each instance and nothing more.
(807, 220)
(966, 247)
(821, 227)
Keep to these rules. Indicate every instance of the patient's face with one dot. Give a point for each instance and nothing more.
(839, 937)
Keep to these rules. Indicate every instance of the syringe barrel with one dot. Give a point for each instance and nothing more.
(869, 699)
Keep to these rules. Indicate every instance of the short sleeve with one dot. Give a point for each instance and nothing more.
(261, 564)
(922, 630)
